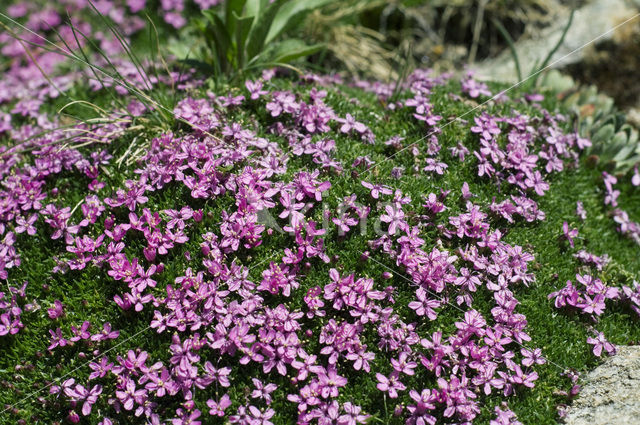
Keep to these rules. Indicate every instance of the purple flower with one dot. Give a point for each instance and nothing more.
(81, 333)
(395, 217)
(532, 357)
(186, 417)
(255, 89)
(391, 384)
(486, 126)
(569, 234)
(261, 417)
(349, 123)
(377, 189)
(218, 407)
(219, 375)
(474, 88)
(424, 306)
(56, 310)
(262, 391)
(593, 305)
(100, 369)
(425, 401)
(26, 225)
(106, 333)
(361, 360)
(352, 415)
(80, 393)
(580, 211)
(635, 179)
(282, 102)
(473, 323)
(460, 151)
(329, 382)
(504, 417)
(403, 364)
(161, 384)
(306, 366)
(600, 342)
(128, 394)
(57, 340)
(536, 182)
(433, 165)
(344, 223)
(292, 208)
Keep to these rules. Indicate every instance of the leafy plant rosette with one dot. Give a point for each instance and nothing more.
(248, 35)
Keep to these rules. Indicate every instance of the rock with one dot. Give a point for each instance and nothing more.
(611, 392)
(595, 19)
(633, 116)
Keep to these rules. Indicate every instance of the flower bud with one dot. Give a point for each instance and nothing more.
(398, 410)
(73, 417)
(109, 222)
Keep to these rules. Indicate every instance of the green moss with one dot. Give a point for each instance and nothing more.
(88, 294)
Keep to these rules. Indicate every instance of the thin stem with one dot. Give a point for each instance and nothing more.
(476, 31)
(512, 47)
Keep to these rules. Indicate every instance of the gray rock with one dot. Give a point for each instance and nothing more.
(611, 392)
(591, 21)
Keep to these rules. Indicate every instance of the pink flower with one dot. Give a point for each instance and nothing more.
(635, 180)
(261, 417)
(106, 333)
(344, 223)
(580, 211)
(349, 123)
(532, 357)
(56, 310)
(100, 369)
(569, 234)
(536, 182)
(361, 360)
(218, 408)
(403, 364)
(330, 382)
(255, 89)
(26, 225)
(91, 398)
(600, 342)
(129, 394)
(395, 217)
(377, 189)
(352, 415)
(424, 306)
(474, 88)
(593, 305)
(262, 391)
(433, 165)
(391, 384)
(187, 417)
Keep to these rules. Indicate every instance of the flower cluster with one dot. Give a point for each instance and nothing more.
(10, 310)
(173, 243)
